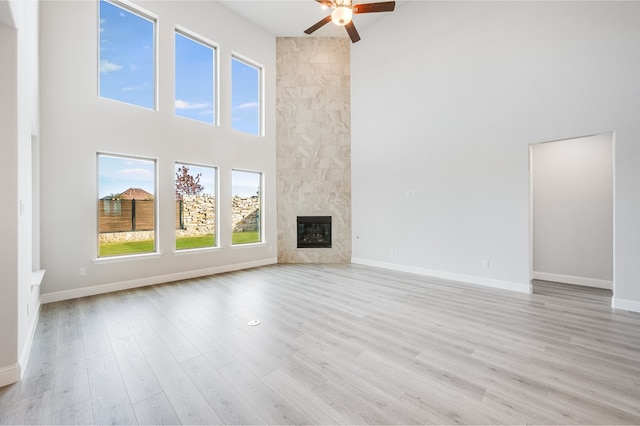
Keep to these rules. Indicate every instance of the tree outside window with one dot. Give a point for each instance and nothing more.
(196, 207)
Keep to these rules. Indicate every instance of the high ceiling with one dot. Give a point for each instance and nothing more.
(289, 18)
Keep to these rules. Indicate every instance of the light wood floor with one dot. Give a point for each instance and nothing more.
(341, 344)
(572, 294)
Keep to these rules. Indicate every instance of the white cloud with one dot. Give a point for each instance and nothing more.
(131, 88)
(122, 14)
(206, 112)
(107, 67)
(247, 105)
(102, 21)
(138, 173)
(189, 105)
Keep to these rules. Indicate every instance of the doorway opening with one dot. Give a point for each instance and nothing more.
(572, 212)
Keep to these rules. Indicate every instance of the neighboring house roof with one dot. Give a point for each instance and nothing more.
(133, 194)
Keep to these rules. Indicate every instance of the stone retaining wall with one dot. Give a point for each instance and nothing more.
(199, 218)
(118, 237)
(198, 215)
(246, 214)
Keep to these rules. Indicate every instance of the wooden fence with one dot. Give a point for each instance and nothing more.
(126, 215)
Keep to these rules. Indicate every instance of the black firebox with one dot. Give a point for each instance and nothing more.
(314, 231)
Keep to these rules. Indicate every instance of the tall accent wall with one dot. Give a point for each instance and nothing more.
(78, 124)
(313, 140)
(447, 98)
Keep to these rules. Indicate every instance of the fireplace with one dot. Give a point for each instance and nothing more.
(314, 231)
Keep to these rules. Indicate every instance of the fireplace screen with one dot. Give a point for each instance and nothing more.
(314, 231)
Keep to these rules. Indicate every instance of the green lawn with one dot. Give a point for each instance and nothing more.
(245, 237)
(136, 247)
(127, 247)
(195, 242)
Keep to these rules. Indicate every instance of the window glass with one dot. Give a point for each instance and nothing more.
(126, 205)
(195, 79)
(245, 97)
(246, 206)
(196, 208)
(127, 56)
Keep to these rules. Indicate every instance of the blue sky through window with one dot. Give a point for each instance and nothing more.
(245, 184)
(126, 56)
(117, 174)
(245, 97)
(127, 71)
(195, 65)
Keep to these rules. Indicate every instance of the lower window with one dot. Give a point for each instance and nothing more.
(196, 208)
(246, 207)
(126, 205)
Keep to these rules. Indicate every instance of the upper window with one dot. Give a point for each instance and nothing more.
(127, 55)
(126, 205)
(245, 97)
(196, 207)
(246, 206)
(195, 79)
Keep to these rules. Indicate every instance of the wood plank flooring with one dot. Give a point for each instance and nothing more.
(573, 293)
(338, 344)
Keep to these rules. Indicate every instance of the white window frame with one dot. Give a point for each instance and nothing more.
(216, 69)
(217, 207)
(154, 19)
(261, 92)
(156, 236)
(262, 203)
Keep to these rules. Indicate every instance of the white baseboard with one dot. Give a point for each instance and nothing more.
(569, 279)
(9, 374)
(627, 305)
(469, 279)
(142, 282)
(26, 349)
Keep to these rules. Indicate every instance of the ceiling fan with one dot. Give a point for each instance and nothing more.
(343, 11)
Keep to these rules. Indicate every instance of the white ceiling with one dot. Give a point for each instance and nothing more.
(289, 18)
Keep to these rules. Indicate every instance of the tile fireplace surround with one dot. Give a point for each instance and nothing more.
(313, 142)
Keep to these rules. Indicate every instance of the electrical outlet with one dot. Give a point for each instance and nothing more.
(82, 272)
(485, 264)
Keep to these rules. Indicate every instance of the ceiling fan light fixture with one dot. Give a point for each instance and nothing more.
(341, 15)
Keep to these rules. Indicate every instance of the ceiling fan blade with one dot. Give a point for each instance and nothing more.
(353, 33)
(327, 3)
(385, 6)
(318, 25)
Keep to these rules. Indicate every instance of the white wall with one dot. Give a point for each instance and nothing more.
(76, 124)
(447, 97)
(573, 211)
(9, 214)
(19, 303)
